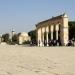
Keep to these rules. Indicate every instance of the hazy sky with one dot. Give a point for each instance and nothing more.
(22, 15)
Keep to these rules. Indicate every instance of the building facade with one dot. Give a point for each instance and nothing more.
(56, 26)
(23, 37)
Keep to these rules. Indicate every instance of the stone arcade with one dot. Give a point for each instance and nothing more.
(56, 26)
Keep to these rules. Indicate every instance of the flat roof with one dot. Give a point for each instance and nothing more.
(53, 18)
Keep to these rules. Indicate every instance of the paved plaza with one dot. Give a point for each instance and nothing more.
(20, 60)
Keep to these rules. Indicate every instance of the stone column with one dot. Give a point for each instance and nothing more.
(65, 30)
(51, 32)
(39, 36)
(57, 29)
(47, 31)
(43, 31)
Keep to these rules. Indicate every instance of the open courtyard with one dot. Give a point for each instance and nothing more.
(21, 60)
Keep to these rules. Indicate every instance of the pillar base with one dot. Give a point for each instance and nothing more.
(41, 44)
(47, 44)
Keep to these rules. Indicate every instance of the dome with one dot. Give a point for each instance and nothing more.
(24, 34)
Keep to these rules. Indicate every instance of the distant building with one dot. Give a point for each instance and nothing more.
(22, 37)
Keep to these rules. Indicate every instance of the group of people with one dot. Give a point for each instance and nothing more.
(71, 43)
(57, 43)
(53, 43)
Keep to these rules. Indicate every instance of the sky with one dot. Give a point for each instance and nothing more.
(23, 15)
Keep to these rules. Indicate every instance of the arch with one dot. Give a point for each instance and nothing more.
(57, 29)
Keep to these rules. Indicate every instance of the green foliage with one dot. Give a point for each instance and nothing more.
(32, 34)
(71, 29)
(14, 38)
(5, 37)
(26, 42)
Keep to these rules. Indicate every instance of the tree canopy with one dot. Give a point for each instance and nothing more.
(32, 34)
(71, 29)
(5, 37)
